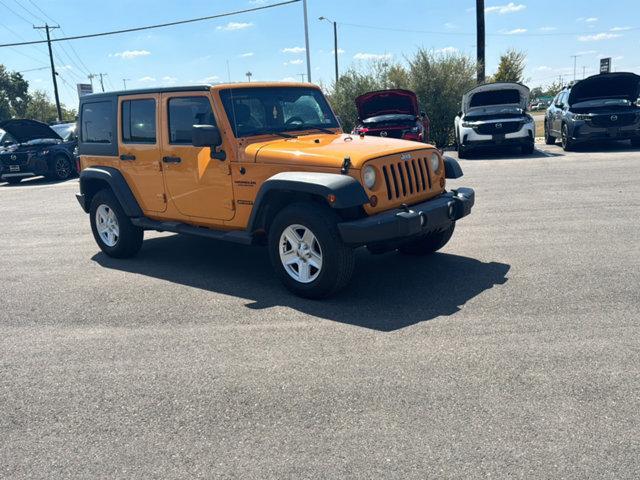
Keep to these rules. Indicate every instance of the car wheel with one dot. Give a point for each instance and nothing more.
(13, 180)
(428, 244)
(462, 152)
(61, 168)
(567, 144)
(307, 252)
(528, 149)
(112, 229)
(548, 138)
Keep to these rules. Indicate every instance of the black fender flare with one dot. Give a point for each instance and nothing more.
(91, 176)
(452, 168)
(345, 191)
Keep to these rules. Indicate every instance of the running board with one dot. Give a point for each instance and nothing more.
(234, 236)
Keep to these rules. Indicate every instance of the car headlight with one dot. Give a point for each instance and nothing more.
(76, 151)
(43, 152)
(434, 162)
(468, 124)
(369, 176)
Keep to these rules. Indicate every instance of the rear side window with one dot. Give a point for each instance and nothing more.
(184, 113)
(139, 121)
(97, 123)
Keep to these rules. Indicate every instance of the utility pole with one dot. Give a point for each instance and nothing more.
(248, 74)
(301, 77)
(480, 53)
(124, 82)
(102, 80)
(575, 58)
(53, 68)
(91, 76)
(335, 43)
(306, 39)
(583, 71)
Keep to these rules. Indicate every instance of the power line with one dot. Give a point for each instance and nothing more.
(149, 27)
(34, 69)
(38, 19)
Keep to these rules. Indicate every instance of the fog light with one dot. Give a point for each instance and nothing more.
(423, 220)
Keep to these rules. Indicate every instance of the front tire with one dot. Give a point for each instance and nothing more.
(112, 229)
(429, 244)
(567, 143)
(462, 152)
(528, 149)
(307, 252)
(60, 169)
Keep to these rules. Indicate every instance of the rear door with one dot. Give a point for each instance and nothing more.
(139, 146)
(198, 185)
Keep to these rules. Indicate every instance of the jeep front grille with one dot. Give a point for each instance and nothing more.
(406, 178)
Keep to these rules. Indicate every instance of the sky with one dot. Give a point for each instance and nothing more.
(270, 43)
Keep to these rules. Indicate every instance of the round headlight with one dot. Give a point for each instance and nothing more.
(369, 176)
(434, 162)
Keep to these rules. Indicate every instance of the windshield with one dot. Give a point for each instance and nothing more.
(603, 102)
(263, 110)
(390, 118)
(5, 138)
(66, 131)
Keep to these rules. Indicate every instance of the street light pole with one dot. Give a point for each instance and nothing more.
(335, 44)
(306, 40)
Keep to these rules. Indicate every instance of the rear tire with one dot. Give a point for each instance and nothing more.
(428, 244)
(112, 229)
(307, 252)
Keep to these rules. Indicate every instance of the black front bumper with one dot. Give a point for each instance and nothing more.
(33, 166)
(430, 216)
(585, 133)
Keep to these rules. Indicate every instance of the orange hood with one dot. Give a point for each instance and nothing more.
(325, 150)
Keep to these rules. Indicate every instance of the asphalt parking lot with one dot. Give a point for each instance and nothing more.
(513, 353)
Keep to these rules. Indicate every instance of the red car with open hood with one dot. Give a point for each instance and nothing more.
(391, 113)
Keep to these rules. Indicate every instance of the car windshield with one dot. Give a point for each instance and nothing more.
(66, 131)
(396, 117)
(273, 110)
(603, 102)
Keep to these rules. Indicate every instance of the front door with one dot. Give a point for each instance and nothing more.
(198, 185)
(139, 147)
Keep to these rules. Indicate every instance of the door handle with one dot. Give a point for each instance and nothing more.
(127, 157)
(171, 159)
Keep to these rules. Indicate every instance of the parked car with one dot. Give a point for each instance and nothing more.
(249, 163)
(38, 149)
(391, 113)
(600, 107)
(494, 114)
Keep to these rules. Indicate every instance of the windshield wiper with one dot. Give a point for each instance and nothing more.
(268, 132)
(320, 129)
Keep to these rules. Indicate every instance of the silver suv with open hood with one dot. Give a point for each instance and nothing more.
(494, 114)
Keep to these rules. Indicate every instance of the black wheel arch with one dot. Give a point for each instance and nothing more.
(94, 179)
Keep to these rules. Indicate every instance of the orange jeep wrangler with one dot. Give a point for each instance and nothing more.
(260, 163)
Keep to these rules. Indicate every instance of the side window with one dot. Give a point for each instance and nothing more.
(184, 113)
(139, 121)
(97, 122)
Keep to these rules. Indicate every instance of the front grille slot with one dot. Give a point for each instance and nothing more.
(498, 128)
(622, 120)
(406, 179)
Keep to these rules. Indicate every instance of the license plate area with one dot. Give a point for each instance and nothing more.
(498, 137)
(14, 168)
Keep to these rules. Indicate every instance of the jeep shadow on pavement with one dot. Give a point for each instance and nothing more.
(388, 292)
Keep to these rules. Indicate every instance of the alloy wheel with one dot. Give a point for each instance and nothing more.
(107, 225)
(300, 253)
(63, 169)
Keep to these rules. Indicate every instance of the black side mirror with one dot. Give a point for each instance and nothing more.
(460, 113)
(208, 136)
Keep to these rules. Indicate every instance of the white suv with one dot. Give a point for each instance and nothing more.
(494, 114)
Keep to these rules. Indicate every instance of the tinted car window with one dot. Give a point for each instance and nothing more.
(66, 131)
(139, 121)
(184, 113)
(97, 122)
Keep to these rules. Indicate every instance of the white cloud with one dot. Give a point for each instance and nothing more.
(235, 26)
(168, 80)
(598, 37)
(508, 8)
(587, 52)
(248, 54)
(620, 29)
(619, 57)
(288, 79)
(210, 79)
(446, 50)
(129, 54)
(515, 31)
(450, 25)
(548, 29)
(372, 56)
(64, 67)
(293, 50)
(340, 51)
(146, 79)
(591, 19)
(543, 68)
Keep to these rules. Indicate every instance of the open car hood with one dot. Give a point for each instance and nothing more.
(386, 102)
(23, 130)
(623, 85)
(493, 95)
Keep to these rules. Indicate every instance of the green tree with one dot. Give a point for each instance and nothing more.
(40, 107)
(13, 94)
(511, 67)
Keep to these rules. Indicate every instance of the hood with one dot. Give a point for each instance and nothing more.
(385, 102)
(623, 85)
(329, 151)
(496, 95)
(23, 130)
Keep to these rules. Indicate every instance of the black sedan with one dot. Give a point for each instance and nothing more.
(598, 108)
(34, 148)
